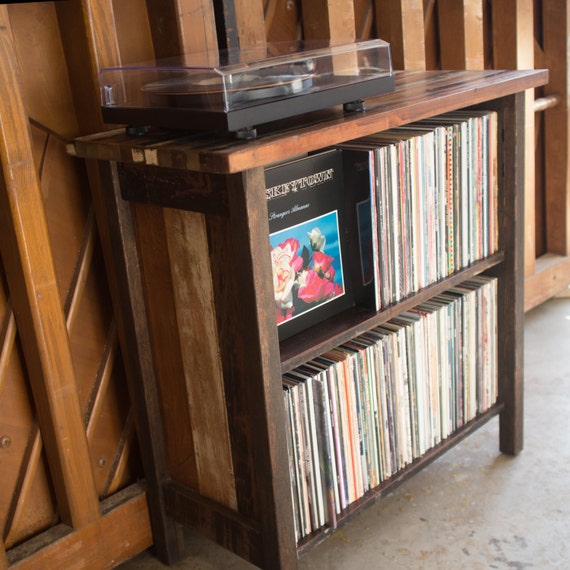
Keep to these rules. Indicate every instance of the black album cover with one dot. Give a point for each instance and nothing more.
(307, 226)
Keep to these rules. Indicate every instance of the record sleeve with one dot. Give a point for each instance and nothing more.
(308, 241)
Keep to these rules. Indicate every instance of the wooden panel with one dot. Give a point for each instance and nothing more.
(235, 532)
(250, 363)
(27, 503)
(322, 20)
(155, 264)
(185, 349)
(182, 26)
(193, 299)
(401, 22)
(513, 48)
(556, 30)
(24, 243)
(122, 531)
(461, 34)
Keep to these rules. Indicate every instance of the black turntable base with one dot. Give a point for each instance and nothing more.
(236, 91)
(170, 107)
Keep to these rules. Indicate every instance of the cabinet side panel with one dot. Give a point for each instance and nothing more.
(165, 340)
(195, 316)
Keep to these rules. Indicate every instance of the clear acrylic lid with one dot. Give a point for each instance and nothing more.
(226, 81)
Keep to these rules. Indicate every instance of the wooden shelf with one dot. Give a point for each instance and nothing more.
(316, 340)
(197, 297)
(418, 95)
(373, 496)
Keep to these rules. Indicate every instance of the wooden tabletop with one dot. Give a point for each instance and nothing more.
(417, 94)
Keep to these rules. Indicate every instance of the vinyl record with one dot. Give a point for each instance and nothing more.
(207, 91)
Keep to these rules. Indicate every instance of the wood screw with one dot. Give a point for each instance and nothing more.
(5, 441)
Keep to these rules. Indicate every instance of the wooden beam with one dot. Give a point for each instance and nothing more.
(240, 23)
(122, 532)
(513, 48)
(324, 20)
(182, 26)
(556, 34)
(461, 34)
(30, 272)
(87, 30)
(401, 22)
(551, 277)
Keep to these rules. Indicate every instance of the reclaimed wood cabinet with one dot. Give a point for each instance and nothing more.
(193, 294)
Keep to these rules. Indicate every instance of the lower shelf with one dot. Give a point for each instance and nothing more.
(373, 496)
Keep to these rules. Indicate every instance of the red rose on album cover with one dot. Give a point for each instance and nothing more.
(304, 276)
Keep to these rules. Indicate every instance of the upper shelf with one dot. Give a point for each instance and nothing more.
(417, 94)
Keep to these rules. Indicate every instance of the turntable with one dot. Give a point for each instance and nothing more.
(238, 91)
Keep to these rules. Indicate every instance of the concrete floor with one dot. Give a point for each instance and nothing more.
(473, 508)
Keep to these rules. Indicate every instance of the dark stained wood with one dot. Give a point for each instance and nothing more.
(220, 524)
(511, 272)
(250, 361)
(118, 238)
(28, 262)
(173, 188)
(318, 340)
(418, 95)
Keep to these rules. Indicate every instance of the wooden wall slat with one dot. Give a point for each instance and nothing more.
(323, 20)
(240, 23)
(556, 31)
(461, 34)
(182, 26)
(513, 48)
(25, 247)
(401, 22)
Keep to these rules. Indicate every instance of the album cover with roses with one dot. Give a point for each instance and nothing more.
(308, 241)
